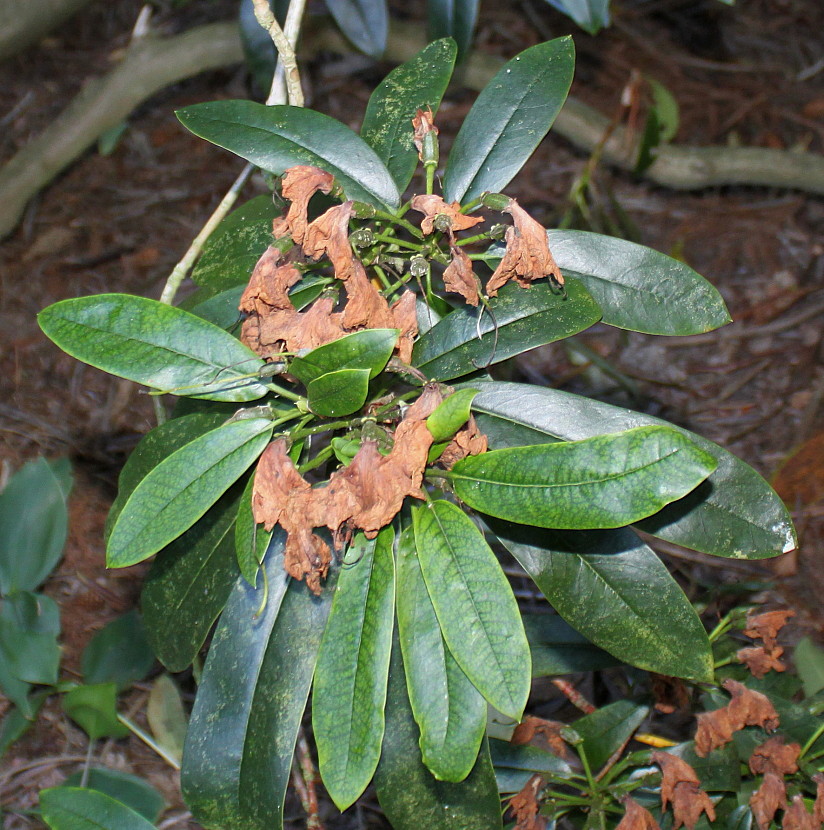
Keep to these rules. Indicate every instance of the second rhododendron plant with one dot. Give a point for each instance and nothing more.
(343, 470)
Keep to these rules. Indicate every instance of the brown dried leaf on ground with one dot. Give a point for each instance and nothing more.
(636, 817)
(768, 799)
(469, 440)
(759, 661)
(527, 257)
(818, 809)
(767, 625)
(680, 786)
(775, 756)
(545, 734)
(796, 816)
(300, 183)
(423, 123)
(524, 806)
(459, 278)
(432, 206)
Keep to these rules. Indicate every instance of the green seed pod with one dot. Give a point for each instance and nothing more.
(362, 210)
(496, 201)
(362, 238)
(418, 266)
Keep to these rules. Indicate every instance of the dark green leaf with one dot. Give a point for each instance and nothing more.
(369, 349)
(410, 796)
(453, 18)
(509, 119)
(614, 590)
(473, 600)
(417, 84)
(154, 344)
(76, 808)
(188, 585)
(29, 625)
(590, 15)
(236, 766)
(14, 724)
(350, 678)
(638, 288)
(734, 513)
(130, 790)
(741, 817)
(809, 663)
(718, 771)
(557, 648)
(119, 653)
(166, 716)
(523, 319)
(601, 482)
(238, 242)
(515, 765)
(94, 709)
(607, 729)
(666, 108)
(449, 710)
(338, 393)
(33, 526)
(179, 490)
(279, 137)
(251, 539)
(364, 22)
(451, 415)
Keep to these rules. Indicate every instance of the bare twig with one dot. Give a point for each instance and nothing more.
(573, 695)
(286, 53)
(305, 778)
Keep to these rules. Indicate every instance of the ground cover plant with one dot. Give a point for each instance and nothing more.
(343, 465)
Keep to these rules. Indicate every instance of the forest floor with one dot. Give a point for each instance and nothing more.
(742, 76)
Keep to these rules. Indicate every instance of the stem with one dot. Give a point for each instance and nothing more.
(324, 455)
(279, 93)
(149, 741)
(396, 220)
(470, 239)
(815, 736)
(286, 53)
(284, 393)
(393, 240)
(430, 179)
(84, 778)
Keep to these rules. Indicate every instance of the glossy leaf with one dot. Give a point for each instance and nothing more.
(278, 137)
(94, 709)
(557, 648)
(119, 653)
(515, 765)
(734, 513)
(188, 585)
(453, 18)
(613, 589)
(364, 22)
(590, 15)
(417, 84)
(131, 790)
(29, 653)
(155, 344)
(523, 319)
(473, 601)
(509, 119)
(251, 539)
(166, 716)
(179, 490)
(449, 710)
(606, 730)
(410, 796)
(369, 349)
(718, 771)
(33, 526)
(638, 288)
(451, 415)
(238, 242)
(82, 808)
(338, 393)
(350, 678)
(14, 723)
(236, 767)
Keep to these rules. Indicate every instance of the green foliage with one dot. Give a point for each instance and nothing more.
(75, 808)
(359, 439)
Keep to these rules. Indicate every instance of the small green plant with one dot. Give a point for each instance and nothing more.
(342, 464)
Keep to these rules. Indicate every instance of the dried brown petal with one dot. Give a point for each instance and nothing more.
(714, 730)
(680, 786)
(329, 235)
(775, 756)
(636, 817)
(818, 809)
(527, 256)
(767, 625)
(768, 799)
(469, 440)
(404, 313)
(759, 661)
(524, 806)
(459, 278)
(749, 708)
(796, 816)
(300, 183)
(432, 206)
(545, 734)
(423, 123)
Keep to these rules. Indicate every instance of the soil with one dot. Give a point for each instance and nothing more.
(748, 75)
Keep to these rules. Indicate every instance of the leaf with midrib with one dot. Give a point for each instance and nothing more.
(81, 808)
(179, 490)
(455, 18)
(155, 344)
(364, 22)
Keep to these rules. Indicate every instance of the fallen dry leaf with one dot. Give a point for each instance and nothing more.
(767, 625)
(524, 806)
(775, 756)
(818, 808)
(636, 817)
(796, 816)
(759, 661)
(545, 734)
(432, 206)
(423, 123)
(300, 183)
(459, 278)
(527, 257)
(768, 799)
(468, 440)
(681, 787)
